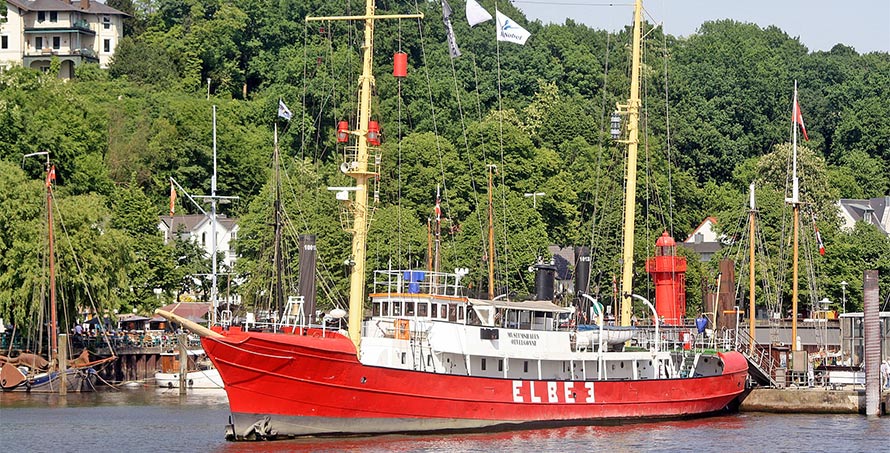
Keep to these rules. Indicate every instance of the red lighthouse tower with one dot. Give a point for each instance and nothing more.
(669, 274)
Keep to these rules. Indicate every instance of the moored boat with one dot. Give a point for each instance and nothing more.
(200, 374)
(430, 358)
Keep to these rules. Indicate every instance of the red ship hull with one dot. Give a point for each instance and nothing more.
(285, 385)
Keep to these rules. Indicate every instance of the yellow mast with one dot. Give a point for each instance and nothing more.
(751, 311)
(795, 205)
(632, 108)
(359, 169)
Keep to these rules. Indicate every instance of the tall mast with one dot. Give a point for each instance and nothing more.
(795, 205)
(53, 321)
(491, 168)
(359, 170)
(279, 295)
(633, 119)
(213, 295)
(751, 312)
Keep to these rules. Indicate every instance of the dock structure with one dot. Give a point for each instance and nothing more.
(817, 400)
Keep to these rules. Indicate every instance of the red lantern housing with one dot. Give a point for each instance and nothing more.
(400, 64)
(342, 132)
(373, 133)
(669, 273)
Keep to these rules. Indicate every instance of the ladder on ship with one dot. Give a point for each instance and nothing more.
(761, 366)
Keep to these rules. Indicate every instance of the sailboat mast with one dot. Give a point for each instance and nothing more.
(751, 311)
(633, 123)
(359, 171)
(795, 205)
(53, 310)
(279, 295)
(213, 295)
(491, 168)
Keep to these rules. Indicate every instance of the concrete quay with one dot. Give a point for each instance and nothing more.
(803, 400)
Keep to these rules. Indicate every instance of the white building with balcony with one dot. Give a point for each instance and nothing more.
(85, 31)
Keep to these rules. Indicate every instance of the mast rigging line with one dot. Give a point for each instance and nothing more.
(80, 271)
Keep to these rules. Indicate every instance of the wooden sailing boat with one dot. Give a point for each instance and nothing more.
(430, 358)
(33, 373)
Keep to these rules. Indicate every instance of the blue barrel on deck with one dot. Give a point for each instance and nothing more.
(414, 278)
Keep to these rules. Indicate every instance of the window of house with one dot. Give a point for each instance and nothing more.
(53, 16)
(57, 42)
(106, 45)
(38, 42)
(106, 22)
(4, 42)
(41, 16)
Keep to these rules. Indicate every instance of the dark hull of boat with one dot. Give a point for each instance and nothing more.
(75, 380)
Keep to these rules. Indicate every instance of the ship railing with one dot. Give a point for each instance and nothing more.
(417, 282)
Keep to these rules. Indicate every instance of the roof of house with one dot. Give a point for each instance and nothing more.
(875, 211)
(94, 6)
(700, 226)
(192, 222)
(193, 311)
(19, 4)
(51, 5)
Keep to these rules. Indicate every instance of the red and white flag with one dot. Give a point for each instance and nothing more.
(438, 208)
(818, 237)
(50, 176)
(172, 199)
(796, 117)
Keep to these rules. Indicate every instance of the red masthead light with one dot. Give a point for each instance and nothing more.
(373, 133)
(343, 132)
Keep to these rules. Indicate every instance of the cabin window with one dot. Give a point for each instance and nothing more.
(384, 309)
(423, 309)
(483, 364)
(375, 309)
(500, 364)
(460, 313)
(525, 366)
(429, 361)
(409, 308)
(397, 309)
(452, 313)
(443, 311)
(435, 311)
(404, 358)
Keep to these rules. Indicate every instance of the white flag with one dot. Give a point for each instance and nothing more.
(476, 14)
(510, 31)
(449, 30)
(283, 111)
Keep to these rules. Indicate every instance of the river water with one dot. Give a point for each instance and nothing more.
(151, 420)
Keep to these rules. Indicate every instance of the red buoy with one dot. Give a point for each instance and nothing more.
(343, 132)
(373, 133)
(400, 64)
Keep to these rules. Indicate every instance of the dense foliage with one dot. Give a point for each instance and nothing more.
(540, 112)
